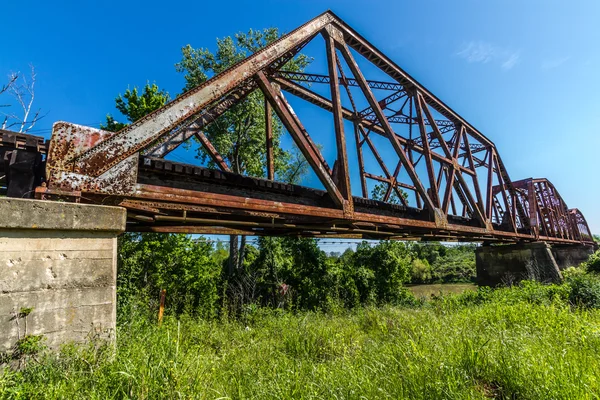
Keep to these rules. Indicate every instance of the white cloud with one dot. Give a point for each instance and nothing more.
(511, 61)
(477, 51)
(555, 62)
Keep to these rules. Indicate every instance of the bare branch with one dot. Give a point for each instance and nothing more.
(24, 94)
(11, 80)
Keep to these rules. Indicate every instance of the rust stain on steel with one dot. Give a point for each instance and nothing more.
(213, 199)
(71, 140)
(119, 180)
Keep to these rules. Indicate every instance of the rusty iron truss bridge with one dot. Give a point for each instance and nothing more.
(448, 179)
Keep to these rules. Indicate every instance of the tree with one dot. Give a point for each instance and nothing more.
(23, 92)
(183, 266)
(12, 78)
(239, 134)
(386, 268)
(135, 106)
(380, 189)
(296, 167)
(420, 271)
(295, 263)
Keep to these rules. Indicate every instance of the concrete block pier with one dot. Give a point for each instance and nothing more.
(59, 259)
(510, 264)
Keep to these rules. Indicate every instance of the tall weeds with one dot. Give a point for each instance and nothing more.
(526, 342)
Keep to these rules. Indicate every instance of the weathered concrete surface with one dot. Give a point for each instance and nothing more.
(52, 215)
(59, 259)
(508, 264)
(571, 256)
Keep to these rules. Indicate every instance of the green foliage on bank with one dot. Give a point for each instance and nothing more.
(291, 273)
(532, 341)
(593, 263)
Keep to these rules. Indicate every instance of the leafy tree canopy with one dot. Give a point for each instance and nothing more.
(380, 189)
(239, 134)
(134, 105)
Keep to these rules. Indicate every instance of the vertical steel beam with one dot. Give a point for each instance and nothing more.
(490, 182)
(361, 164)
(502, 185)
(269, 134)
(427, 152)
(381, 163)
(338, 121)
(467, 147)
(451, 176)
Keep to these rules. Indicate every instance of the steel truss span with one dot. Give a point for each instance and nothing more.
(442, 178)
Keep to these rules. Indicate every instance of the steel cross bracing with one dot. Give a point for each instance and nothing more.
(442, 178)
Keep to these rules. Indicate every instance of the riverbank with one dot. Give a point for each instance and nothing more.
(439, 289)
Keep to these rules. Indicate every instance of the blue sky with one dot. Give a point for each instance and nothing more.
(523, 72)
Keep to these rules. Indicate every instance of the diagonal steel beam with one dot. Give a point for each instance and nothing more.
(386, 126)
(290, 123)
(212, 152)
(198, 122)
(160, 150)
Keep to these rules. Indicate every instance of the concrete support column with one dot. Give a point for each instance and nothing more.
(508, 264)
(59, 260)
(571, 255)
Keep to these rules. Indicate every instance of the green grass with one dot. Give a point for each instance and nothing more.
(520, 343)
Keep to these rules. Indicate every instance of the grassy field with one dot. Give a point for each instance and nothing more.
(520, 343)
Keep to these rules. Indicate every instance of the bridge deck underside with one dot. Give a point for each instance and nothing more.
(176, 197)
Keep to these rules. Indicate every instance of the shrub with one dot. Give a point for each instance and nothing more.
(420, 271)
(585, 291)
(593, 263)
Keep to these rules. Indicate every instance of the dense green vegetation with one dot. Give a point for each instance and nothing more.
(291, 273)
(529, 342)
(344, 327)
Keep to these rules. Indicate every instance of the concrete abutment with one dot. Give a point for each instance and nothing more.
(509, 264)
(58, 259)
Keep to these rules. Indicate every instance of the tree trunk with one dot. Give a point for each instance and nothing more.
(241, 253)
(235, 260)
(272, 274)
(233, 254)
